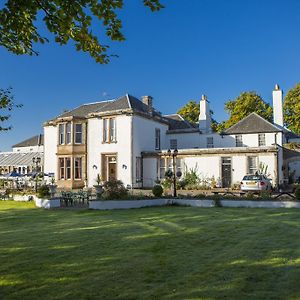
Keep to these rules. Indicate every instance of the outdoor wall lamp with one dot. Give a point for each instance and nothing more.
(124, 167)
(95, 167)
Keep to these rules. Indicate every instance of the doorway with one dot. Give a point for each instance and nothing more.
(226, 172)
(109, 167)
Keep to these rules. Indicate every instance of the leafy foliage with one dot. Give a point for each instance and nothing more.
(66, 20)
(114, 189)
(157, 190)
(6, 104)
(297, 193)
(43, 191)
(190, 111)
(291, 109)
(243, 105)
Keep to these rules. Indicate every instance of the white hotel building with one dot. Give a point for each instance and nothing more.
(128, 139)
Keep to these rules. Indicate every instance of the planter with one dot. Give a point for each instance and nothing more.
(47, 203)
(99, 190)
(52, 188)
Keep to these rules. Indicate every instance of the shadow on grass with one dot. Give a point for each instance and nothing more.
(163, 253)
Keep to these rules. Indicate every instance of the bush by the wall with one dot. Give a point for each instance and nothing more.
(157, 190)
(43, 191)
(297, 193)
(114, 189)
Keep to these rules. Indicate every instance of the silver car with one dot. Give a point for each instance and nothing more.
(256, 183)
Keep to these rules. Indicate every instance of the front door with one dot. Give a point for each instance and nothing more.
(109, 167)
(226, 172)
(112, 168)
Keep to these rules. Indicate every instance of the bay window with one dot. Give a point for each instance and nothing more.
(78, 133)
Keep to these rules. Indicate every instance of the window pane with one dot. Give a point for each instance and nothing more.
(261, 139)
(78, 133)
(105, 130)
(112, 129)
(157, 139)
(173, 144)
(138, 169)
(68, 168)
(78, 168)
(210, 142)
(68, 130)
(61, 134)
(252, 164)
(239, 141)
(61, 168)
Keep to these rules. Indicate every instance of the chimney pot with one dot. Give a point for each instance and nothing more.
(148, 100)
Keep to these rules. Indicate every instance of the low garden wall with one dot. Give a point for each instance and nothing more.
(47, 203)
(127, 204)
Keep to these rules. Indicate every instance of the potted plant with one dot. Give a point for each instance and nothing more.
(52, 187)
(99, 186)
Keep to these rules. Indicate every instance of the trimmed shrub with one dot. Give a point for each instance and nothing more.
(114, 189)
(200, 196)
(297, 193)
(43, 191)
(157, 190)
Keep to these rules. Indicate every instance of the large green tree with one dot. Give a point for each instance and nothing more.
(66, 20)
(6, 105)
(243, 105)
(291, 109)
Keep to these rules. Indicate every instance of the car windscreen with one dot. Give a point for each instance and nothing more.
(252, 177)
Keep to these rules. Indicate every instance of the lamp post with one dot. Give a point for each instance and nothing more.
(173, 154)
(36, 162)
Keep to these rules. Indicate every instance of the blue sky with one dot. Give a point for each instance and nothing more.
(192, 47)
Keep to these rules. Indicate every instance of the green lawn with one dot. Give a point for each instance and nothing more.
(151, 253)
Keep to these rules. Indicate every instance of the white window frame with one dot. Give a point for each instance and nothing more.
(138, 169)
(261, 139)
(78, 134)
(61, 134)
(209, 142)
(68, 133)
(239, 140)
(79, 167)
(157, 139)
(173, 144)
(109, 130)
(252, 169)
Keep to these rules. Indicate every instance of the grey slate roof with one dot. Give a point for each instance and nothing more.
(18, 158)
(124, 102)
(175, 122)
(253, 123)
(33, 141)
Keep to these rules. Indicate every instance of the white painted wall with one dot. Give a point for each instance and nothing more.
(50, 149)
(149, 171)
(95, 147)
(295, 166)
(144, 140)
(208, 166)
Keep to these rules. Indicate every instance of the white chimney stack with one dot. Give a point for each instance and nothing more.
(204, 116)
(278, 106)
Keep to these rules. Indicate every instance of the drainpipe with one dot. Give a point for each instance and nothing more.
(86, 155)
(131, 150)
